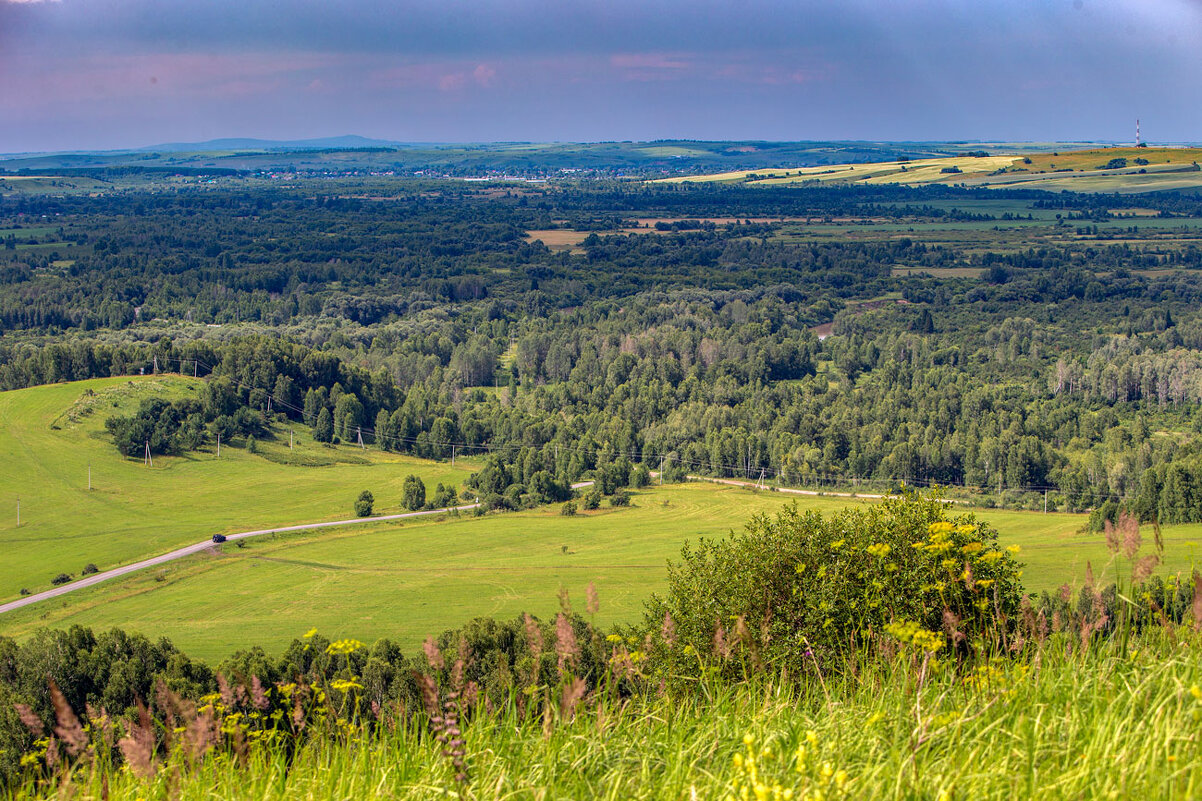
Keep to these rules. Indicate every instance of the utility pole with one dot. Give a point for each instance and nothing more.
(661, 470)
(359, 434)
(1045, 501)
(194, 368)
(149, 461)
(156, 364)
(290, 439)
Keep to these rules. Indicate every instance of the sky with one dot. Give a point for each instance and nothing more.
(106, 74)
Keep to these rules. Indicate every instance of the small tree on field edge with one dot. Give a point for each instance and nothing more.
(413, 493)
(364, 504)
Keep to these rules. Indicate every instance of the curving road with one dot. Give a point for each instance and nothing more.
(189, 550)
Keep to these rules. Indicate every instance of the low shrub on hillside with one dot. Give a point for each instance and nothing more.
(800, 589)
(364, 504)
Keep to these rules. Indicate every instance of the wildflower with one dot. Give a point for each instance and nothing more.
(310, 634)
(344, 647)
(342, 685)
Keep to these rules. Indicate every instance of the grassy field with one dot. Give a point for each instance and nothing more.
(50, 436)
(1109, 722)
(403, 580)
(409, 580)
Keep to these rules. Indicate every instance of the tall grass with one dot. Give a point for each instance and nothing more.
(1064, 721)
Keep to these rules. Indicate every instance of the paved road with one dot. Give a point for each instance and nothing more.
(180, 553)
(189, 550)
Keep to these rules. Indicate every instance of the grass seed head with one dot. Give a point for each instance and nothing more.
(566, 646)
(67, 727)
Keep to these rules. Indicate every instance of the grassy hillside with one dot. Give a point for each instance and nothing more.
(49, 436)
(409, 580)
(1104, 723)
(1092, 170)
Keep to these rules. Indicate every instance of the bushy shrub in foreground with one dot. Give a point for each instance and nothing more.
(800, 589)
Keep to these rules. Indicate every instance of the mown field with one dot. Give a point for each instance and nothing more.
(51, 435)
(408, 580)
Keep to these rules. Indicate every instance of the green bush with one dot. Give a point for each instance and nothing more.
(444, 497)
(620, 498)
(800, 589)
(364, 504)
(568, 509)
(592, 500)
(413, 493)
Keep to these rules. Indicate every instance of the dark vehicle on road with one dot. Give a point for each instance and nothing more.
(218, 538)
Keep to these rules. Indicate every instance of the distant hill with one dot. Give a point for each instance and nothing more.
(337, 142)
(350, 154)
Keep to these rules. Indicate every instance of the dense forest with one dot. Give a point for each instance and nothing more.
(701, 329)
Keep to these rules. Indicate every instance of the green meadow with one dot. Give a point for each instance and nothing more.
(401, 579)
(408, 580)
(51, 436)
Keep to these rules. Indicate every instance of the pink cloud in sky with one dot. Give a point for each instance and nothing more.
(452, 81)
(484, 74)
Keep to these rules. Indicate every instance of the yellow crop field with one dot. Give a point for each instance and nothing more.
(1145, 170)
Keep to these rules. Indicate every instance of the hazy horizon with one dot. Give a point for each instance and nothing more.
(128, 74)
